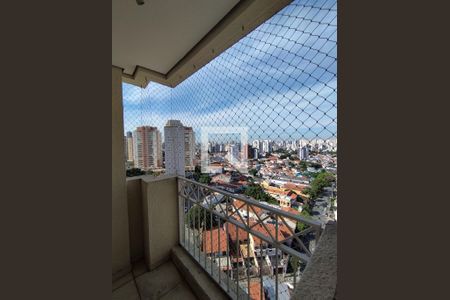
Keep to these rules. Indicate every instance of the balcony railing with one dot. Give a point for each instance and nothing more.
(251, 249)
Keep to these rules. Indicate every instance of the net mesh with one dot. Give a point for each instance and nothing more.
(279, 81)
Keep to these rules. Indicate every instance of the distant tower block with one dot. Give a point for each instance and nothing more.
(147, 151)
(174, 140)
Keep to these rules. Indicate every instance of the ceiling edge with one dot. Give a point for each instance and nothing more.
(244, 17)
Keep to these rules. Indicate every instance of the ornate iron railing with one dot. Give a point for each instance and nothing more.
(252, 249)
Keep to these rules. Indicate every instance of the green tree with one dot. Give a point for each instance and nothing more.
(134, 172)
(253, 172)
(197, 169)
(306, 214)
(303, 166)
(197, 173)
(198, 217)
(321, 180)
(204, 178)
(257, 192)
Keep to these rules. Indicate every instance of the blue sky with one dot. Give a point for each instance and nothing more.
(279, 81)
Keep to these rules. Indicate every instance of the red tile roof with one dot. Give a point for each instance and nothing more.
(252, 209)
(255, 291)
(212, 246)
(293, 186)
(291, 210)
(261, 229)
(242, 234)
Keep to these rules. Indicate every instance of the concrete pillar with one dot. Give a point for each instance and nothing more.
(160, 218)
(135, 218)
(120, 236)
(319, 280)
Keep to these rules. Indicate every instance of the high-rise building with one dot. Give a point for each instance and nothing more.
(255, 144)
(303, 153)
(126, 147)
(233, 154)
(129, 143)
(210, 148)
(147, 150)
(174, 141)
(255, 152)
(189, 146)
(266, 146)
(247, 151)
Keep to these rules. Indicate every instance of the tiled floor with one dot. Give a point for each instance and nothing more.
(165, 283)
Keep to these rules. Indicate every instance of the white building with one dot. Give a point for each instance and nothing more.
(233, 154)
(255, 144)
(174, 141)
(147, 150)
(266, 146)
(189, 146)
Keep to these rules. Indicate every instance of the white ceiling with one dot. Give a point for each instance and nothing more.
(159, 33)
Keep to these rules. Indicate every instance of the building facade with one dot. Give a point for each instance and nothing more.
(303, 153)
(189, 146)
(174, 143)
(129, 143)
(147, 150)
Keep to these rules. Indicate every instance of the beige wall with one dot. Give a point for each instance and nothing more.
(120, 237)
(160, 212)
(135, 217)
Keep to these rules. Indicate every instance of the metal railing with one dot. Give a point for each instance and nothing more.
(251, 249)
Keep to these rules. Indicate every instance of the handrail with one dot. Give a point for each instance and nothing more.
(241, 225)
(194, 194)
(313, 223)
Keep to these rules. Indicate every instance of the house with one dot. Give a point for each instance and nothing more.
(214, 242)
(269, 233)
(253, 211)
(232, 188)
(255, 290)
(221, 178)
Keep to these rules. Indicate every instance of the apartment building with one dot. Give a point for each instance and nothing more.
(147, 150)
(129, 146)
(189, 147)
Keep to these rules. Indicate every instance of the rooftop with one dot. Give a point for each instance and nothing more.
(211, 241)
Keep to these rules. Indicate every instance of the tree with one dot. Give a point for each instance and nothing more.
(134, 172)
(306, 214)
(198, 217)
(257, 192)
(197, 173)
(315, 165)
(284, 156)
(204, 178)
(303, 166)
(197, 169)
(321, 180)
(253, 172)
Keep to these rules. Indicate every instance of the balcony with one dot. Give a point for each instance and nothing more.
(263, 69)
(174, 246)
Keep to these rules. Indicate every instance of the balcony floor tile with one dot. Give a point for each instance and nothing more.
(181, 291)
(126, 292)
(163, 282)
